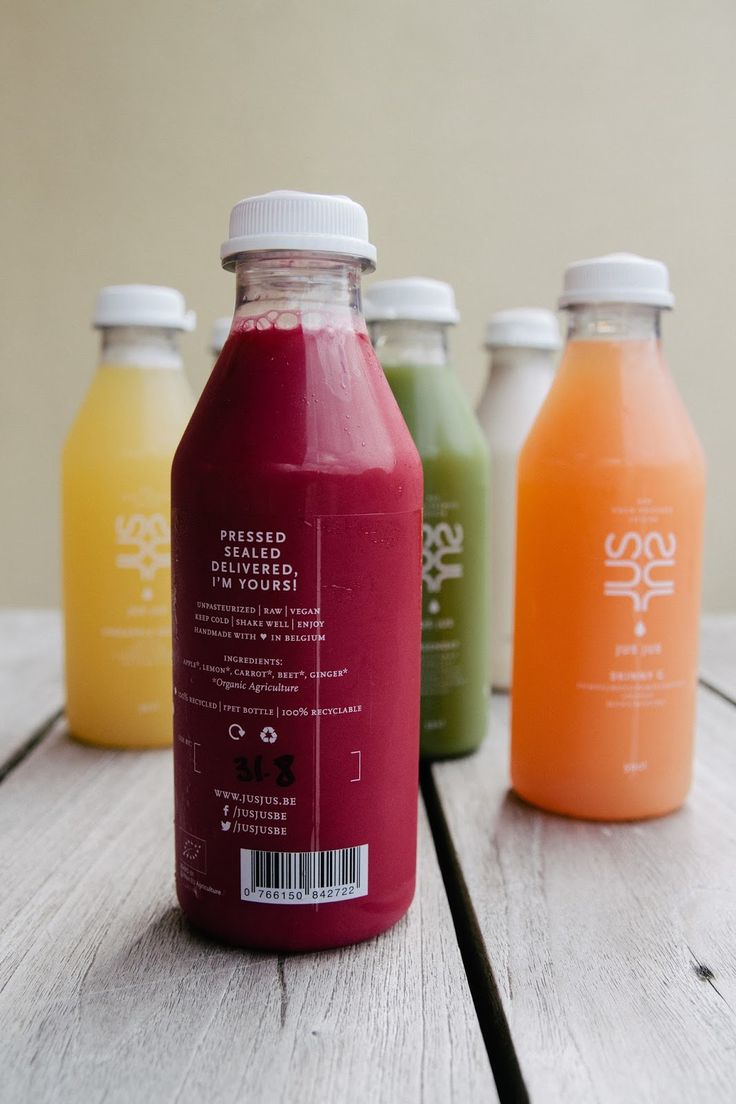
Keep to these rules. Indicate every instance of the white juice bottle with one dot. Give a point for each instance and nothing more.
(219, 334)
(523, 344)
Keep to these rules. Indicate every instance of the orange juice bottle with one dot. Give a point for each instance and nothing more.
(610, 514)
(115, 519)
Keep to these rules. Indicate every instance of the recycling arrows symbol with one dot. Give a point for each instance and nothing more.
(267, 734)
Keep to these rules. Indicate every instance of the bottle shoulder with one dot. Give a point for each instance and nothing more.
(312, 429)
(625, 448)
(509, 406)
(437, 411)
(612, 412)
(146, 411)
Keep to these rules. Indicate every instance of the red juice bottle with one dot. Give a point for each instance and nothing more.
(296, 549)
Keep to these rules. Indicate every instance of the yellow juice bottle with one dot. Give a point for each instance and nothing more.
(115, 522)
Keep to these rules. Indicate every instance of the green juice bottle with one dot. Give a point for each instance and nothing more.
(409, 320)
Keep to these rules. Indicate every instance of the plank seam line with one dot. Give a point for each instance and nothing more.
(32, 742)
(715, 690)
(489, 1009)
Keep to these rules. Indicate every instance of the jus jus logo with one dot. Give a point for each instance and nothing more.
(150, 538)
(640, 568)
(441, 541)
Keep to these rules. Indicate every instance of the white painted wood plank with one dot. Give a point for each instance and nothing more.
(595, 932)
(718, 653)
(105, 994)
(31, 690)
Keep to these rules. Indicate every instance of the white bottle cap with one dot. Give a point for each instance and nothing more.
(523, 328)
(220, 333)
(142, 305)
(617, 278)
(413, 299)
(298, 220)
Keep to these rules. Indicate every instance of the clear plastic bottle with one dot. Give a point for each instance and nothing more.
(297, 496)
(523, 344)
(409, 320)
(115, 518)
(608, 554)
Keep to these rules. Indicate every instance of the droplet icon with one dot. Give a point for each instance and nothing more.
(640, 628)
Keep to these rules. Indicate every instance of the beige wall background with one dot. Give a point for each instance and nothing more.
(491, 141)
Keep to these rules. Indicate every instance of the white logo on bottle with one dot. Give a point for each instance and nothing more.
(440, 541)
(150, 537)
(643, 569)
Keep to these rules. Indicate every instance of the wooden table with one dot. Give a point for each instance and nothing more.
(542, 958)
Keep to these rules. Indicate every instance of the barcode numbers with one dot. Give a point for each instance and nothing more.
(303, 877)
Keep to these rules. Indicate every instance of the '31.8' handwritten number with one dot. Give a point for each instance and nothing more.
(256, 773)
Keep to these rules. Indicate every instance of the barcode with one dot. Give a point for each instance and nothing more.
(304, 877)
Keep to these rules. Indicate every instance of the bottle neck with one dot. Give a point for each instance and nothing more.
(308, 289)
(515, 361)
(140, 347)
(403, 342)
(613, 322)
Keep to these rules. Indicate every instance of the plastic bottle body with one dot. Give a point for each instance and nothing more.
(454, 708)
(297, 545)
(610, 515)
(116, 542)
(517, 386)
